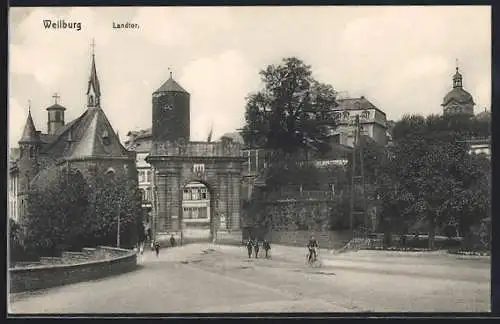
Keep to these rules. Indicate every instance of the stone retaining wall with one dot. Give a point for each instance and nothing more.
(327, 239)
(71, 268)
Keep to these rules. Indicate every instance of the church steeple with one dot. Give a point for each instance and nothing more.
(29, 133)
(457, 78)
(93, 89)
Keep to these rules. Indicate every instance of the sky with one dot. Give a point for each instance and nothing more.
(400, 58)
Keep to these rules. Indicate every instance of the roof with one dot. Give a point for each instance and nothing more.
(29, 132)
(459, 95)
(171, 86)
(87, 137)
(236, 137)
(93, 80)
(56, 107)
(484, 115)
(354, 104)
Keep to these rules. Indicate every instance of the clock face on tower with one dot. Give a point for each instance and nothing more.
(167, 107)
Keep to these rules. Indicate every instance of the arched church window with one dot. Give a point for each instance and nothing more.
(110, 173)
(32, 152)
(91, 100)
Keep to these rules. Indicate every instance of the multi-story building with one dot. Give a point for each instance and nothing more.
(373, 121)
(196, 207)
(13, 185)
(140, 142)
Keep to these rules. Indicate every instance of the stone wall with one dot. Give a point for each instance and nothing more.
(326, 240)
(71, 268)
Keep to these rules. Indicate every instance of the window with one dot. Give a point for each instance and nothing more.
(345, 115)
(105, 138)
(186, 194)
(195, 194)
(148, 176)
(204, 193)
(58, 116)
(142, 176)
(365, 114)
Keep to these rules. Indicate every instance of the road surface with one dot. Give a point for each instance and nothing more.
(205, 278)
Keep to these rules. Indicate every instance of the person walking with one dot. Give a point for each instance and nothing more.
(172, 240)
(141, 248)
(157, 248)
(256, 249)
(266, 247)
(249, 248)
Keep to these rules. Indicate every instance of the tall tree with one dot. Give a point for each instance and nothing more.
(115, 209)
(55, 214)
(289, 112)
(438, 181)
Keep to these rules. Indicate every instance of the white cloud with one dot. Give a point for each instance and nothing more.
(400, 58)
(17, 115)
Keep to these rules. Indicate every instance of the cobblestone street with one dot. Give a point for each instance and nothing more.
(208, 278)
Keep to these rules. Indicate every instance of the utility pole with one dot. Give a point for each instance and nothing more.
(118, 227)
(357, 177)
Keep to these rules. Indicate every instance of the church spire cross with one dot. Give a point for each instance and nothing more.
(56, 97)
(456, 64)
(170, 71)
(92, 45)
(29, 107)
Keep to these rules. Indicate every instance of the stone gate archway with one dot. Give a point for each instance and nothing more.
(216, 165)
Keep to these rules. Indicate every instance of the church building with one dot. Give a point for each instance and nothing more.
(458, 101)
(87, 144)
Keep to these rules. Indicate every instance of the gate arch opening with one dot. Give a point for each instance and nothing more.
(197, 212)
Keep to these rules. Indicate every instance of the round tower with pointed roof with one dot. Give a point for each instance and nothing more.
(55, 116)
(458, 101)
(29, 147)
(171, 112)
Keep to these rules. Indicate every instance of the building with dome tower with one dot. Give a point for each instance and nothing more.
(458, 102)
(87, 144)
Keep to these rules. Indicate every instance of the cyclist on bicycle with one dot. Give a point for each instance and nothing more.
(312, 246)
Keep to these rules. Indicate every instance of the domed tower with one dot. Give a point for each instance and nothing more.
(171, 112)
(55, 116)
(458, 101)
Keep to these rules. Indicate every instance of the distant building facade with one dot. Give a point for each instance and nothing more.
(13, 185)
(87, 144)
(140, 143)
(373, 121)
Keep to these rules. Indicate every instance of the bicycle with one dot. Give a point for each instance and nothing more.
(313, 262)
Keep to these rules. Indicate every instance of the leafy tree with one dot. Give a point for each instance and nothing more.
(289, 112)
(55, 214)
(114, 200)
(438, 181)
